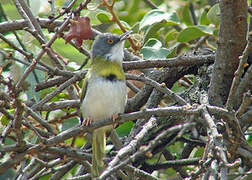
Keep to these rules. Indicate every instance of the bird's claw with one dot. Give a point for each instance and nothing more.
(87, 121)
(114, 118)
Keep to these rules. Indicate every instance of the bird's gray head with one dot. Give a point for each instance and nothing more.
(109, 46)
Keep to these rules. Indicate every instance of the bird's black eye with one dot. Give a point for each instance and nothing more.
(110, 41)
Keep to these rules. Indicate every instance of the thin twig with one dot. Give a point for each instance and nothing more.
(134, 144)
(77, 77)
(246, 101)
(27, 55)
(237, 77)
(216, 141)
(161, 87)
(118, 22)
(31, 18)
(151, 4)
(191, 8)
(41, 53)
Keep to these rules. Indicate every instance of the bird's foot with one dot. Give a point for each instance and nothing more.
(87, 121)
(114, 118)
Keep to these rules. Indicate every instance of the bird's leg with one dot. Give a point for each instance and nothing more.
(87, 121)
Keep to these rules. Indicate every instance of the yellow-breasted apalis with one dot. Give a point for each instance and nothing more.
(104, 93)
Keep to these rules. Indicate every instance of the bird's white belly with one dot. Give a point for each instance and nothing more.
(103, 99)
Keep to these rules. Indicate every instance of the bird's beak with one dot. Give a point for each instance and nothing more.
(125, 35)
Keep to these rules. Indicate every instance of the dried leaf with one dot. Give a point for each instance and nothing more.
(80, 30)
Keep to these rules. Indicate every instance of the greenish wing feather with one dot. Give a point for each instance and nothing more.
(84, 90)
(83, 94)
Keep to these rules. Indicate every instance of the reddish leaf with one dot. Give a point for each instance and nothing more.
(79, 30)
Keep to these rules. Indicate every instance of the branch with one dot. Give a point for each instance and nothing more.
(110, 169)
(77, 77)
(184, 60)
(231, 101)
(38, 118)
(29, 16)
(41, 53)
(246, 101)
(168, 156)
(59, 105)
(50, 83)
(61, 13)
(231, 43)
(9, 57)
(161, 87)
(27, 55)
(177, 111)
(139, 173)
(134, 144)
(82, 177)
(216, 142)
(175, 163)
(245, 85)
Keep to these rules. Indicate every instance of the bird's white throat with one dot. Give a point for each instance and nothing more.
(116, 52)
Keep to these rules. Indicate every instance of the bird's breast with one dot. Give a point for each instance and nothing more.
(104, 98)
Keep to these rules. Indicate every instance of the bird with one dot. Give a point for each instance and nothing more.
(104, 93)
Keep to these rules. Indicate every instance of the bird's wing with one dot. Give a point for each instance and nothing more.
(84, 90)
(83, 94)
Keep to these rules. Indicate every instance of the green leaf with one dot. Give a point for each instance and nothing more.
(203, 18)
(216, 32)
(153, 50)
(125, 24)
(31, 93)
(194, 32)
(176, 148)
(93, 6)
(80, 141)
(157, 16)
(10, 10)
(45, 177)
(69, 123)
(178, 88)
(65, 3)
(116, 31)
(173, 50)
(3, 118)
(135, 27)
(152, 31)
(154, 43)
(9, 141)
(214, 15)
(249, 140)
(199, 152)
(103, 17)
(171, 35)
(124, 129)
(185, 15)
(152, 53)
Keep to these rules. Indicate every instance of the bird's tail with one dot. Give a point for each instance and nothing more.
(98, 150)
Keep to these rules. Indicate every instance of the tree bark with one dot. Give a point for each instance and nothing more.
(232, 40)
